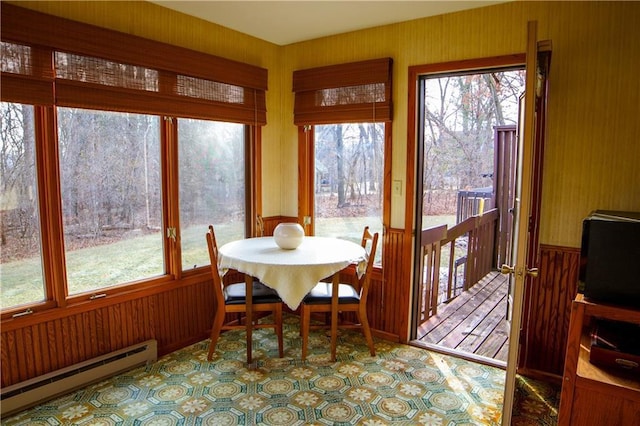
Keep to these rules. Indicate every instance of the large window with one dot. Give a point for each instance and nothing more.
(138, 146)
(20, 244)
(212, 185)
(349, 171)
(111, 204)
(344, 112)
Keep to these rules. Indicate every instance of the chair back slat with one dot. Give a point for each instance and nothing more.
(372, 240)
(215, 273)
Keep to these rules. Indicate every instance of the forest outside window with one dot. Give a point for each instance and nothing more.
(119, 143)
(344, 112)
(111, 204)
(20, 241)
(349, 173)
(212, 185)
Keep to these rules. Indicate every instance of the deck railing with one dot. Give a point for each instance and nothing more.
(471, 246)
(472, 202)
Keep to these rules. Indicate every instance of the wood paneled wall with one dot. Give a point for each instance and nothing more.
(175, 316)
(547, 309)
(180, 315)
(590, 159)
(396, 284)
(35, 345)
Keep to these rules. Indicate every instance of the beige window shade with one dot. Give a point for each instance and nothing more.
(354, 92)
(92, 67)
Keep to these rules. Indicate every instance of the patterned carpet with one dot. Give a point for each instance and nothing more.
(402, 385)
(536, 403)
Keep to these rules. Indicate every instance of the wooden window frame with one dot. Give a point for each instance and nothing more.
(44, 35)
(309, 111)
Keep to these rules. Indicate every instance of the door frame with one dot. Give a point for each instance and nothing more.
(415, 149)
(531, 244)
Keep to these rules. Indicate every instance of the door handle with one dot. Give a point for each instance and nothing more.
(506, 269)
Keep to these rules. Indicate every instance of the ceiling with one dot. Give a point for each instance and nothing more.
(286, 22)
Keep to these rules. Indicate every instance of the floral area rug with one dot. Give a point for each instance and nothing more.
(401, 385)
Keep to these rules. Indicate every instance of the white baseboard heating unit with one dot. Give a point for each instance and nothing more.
(33, 391)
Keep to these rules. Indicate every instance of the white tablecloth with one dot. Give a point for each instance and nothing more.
(292, 273)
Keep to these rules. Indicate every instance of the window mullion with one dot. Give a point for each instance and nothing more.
(306, 182)
(170, 198)
(50, 205)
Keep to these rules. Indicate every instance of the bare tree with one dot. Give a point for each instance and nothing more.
(460, 114)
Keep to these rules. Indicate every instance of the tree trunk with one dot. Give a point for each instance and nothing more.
(340, 165)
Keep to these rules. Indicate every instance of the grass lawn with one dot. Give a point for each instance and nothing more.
(142, 257)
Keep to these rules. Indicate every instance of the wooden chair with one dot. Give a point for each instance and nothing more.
(231, 299)
(350, 299)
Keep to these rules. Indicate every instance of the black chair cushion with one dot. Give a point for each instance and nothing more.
(235, 294)
(321, 294)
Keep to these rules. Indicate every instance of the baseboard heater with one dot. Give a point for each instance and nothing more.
(33, 391)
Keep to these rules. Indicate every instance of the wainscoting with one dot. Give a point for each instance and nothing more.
(175, 317)
(180, 314)
(548, 308)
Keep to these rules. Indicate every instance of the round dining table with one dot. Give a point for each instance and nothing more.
(292, 273)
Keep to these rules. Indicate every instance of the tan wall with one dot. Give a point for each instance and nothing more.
(592, 153)
(592, 157)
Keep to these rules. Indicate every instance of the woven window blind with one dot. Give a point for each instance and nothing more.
(49, 60)
(345, 93)
(26, 74)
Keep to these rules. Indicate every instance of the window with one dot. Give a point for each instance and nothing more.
(344, 113)
(349, 171)
(20, 240)
(111, 204)
(135, 139)
(212, 185)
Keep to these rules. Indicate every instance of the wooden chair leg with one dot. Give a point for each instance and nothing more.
(278, 321)
(218, 321)
(362, 317)
(305, 319)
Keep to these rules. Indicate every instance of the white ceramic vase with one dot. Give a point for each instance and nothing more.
(288, 236)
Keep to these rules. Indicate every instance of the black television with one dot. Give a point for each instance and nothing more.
(610, 258)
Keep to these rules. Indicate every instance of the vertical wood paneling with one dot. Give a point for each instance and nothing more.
(8, 348)
(396, 288)
(101, 335)
(45, 355)
(54, 334)
(92, 337)
(36, 351)
(67, 341)
(174, 317)
(19, 344)
(80, 347)
(548, 308)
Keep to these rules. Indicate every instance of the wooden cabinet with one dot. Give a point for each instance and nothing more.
(590, 395)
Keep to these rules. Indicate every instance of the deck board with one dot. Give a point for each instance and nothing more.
(474, 322)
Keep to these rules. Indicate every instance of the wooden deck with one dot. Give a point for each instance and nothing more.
(474, 322)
